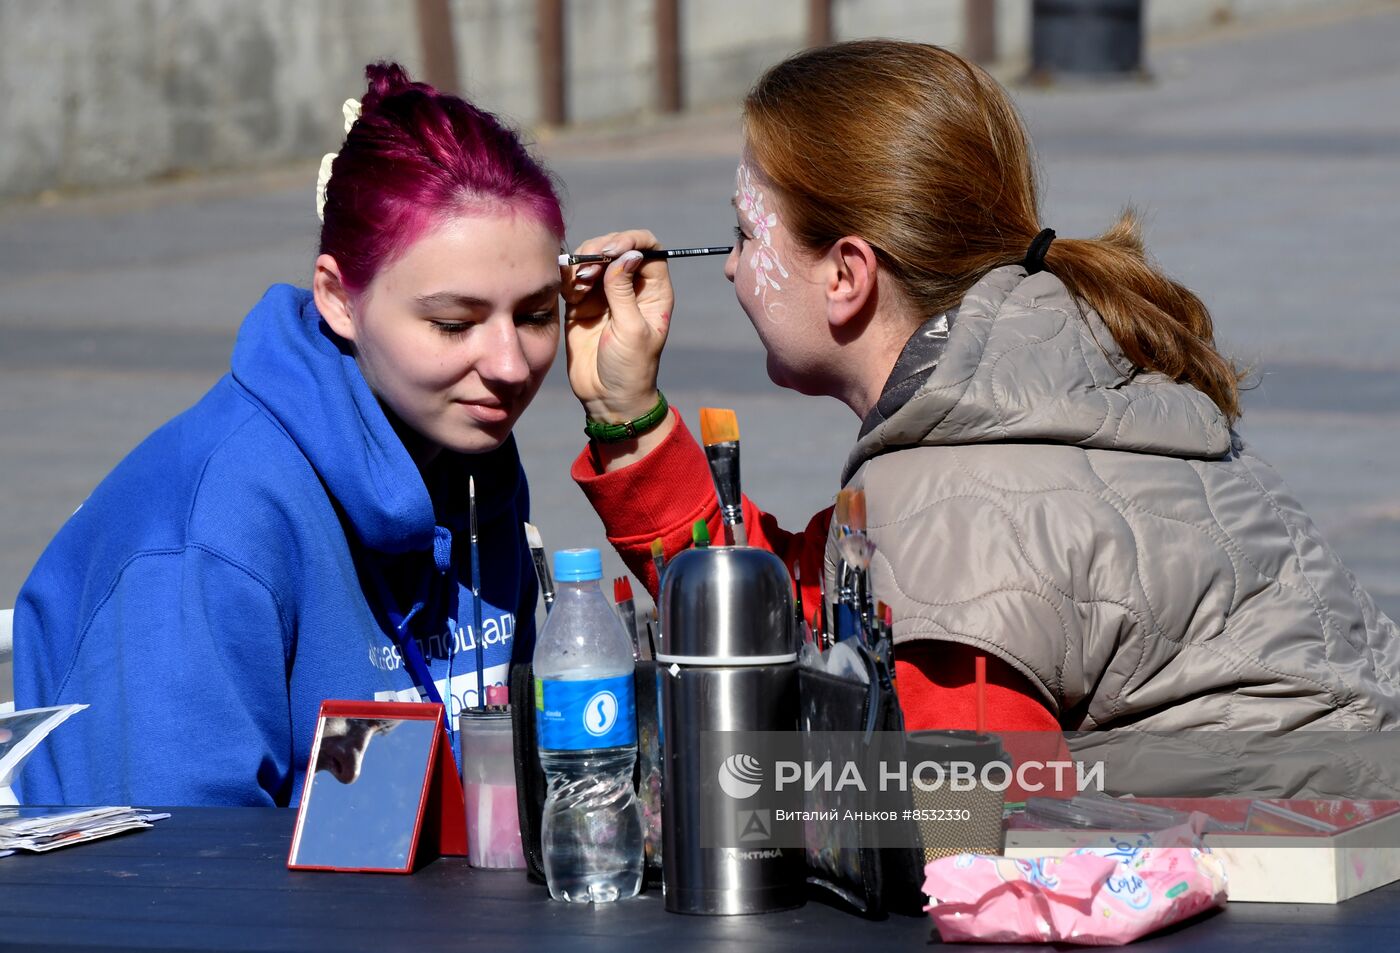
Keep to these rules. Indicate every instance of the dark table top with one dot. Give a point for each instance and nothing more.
(216, 879)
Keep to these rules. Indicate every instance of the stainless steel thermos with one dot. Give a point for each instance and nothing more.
(727, 662)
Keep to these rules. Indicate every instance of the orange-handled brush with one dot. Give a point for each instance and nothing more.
(719, 431)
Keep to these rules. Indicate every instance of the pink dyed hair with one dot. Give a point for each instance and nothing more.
(414, 155)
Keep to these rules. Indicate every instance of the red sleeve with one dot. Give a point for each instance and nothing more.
(663, 494)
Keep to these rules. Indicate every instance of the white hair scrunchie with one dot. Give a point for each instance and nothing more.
(351, 111)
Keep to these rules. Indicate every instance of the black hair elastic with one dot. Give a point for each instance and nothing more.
(1035, 255)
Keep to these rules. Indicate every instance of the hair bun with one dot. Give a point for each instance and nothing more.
(385, 80)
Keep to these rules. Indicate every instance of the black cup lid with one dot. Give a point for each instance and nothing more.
(944, 745)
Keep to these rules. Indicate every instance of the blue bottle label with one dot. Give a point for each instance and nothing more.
(577, 715)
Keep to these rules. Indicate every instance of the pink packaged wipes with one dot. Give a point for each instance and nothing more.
(1096, 896)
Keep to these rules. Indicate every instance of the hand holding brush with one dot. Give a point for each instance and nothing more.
(616, 318)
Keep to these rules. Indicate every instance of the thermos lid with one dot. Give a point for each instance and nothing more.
(945, 745)
(726, 605)
(578, 565)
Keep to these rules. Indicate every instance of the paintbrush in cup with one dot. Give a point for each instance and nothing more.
(803, 632)
(844, 614)
(476, 598)
(536, 544)
(658, 562)
(856, 551)
(627, 610)
(719, 431)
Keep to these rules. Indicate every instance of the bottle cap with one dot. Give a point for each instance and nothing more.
(577, 565)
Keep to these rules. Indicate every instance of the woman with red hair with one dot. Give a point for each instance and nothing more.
(1047, 442)
(301, 532)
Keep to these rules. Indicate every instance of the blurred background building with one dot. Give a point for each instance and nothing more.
(109, 92)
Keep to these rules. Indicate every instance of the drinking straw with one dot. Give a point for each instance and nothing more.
(981, 664)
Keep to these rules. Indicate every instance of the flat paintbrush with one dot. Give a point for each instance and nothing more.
(627, 611)
(803, 633)
(536, 544)
(719, 431)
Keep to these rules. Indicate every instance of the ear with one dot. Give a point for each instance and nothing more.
(850, 286)
(332, 300)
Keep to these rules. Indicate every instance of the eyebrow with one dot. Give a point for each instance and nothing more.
(446, 299)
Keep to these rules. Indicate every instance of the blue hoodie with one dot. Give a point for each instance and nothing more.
(250, 559)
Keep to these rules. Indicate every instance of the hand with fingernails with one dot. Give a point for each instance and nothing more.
(615, 323)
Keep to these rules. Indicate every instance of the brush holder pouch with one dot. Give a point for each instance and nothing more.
(843, 861)
(882, 872)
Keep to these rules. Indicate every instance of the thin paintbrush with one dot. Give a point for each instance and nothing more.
(804, 634)
(536, 544)
(862, 551)
(699, 534)
(648, 254)
(658, 561)
(855, 549)
(476, 598)
(842, 617)
(719, 430)
(627, 611)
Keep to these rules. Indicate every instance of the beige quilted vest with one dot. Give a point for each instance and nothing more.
(1109, 537)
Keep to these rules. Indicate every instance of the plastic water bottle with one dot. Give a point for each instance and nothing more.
(587, 724)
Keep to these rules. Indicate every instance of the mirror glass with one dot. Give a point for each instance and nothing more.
(365, 792)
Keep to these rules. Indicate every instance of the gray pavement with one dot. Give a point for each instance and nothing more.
(1267, 163)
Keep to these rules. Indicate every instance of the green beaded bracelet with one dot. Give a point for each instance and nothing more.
(604, 432)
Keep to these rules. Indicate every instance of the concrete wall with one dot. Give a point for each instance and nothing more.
(104, 92)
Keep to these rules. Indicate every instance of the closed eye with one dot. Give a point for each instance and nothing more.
(452, 327)
(739, 236)
(538, 319)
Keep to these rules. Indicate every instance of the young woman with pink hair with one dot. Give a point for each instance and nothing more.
(301, 532)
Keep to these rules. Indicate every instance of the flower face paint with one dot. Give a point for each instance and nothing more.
(778, 288)
(763, 260)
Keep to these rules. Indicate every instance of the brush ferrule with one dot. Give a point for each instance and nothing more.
(545, 579)
(724, 467)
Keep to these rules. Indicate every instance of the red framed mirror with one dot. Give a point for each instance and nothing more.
(381, 791)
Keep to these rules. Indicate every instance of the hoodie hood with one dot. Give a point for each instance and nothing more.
(290, 361)
(1022, 362)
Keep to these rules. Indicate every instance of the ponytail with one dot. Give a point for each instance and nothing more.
(1158, 324)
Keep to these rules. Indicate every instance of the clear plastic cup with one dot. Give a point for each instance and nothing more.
(488, 780)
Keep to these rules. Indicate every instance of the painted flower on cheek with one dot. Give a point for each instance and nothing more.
(764, 261)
